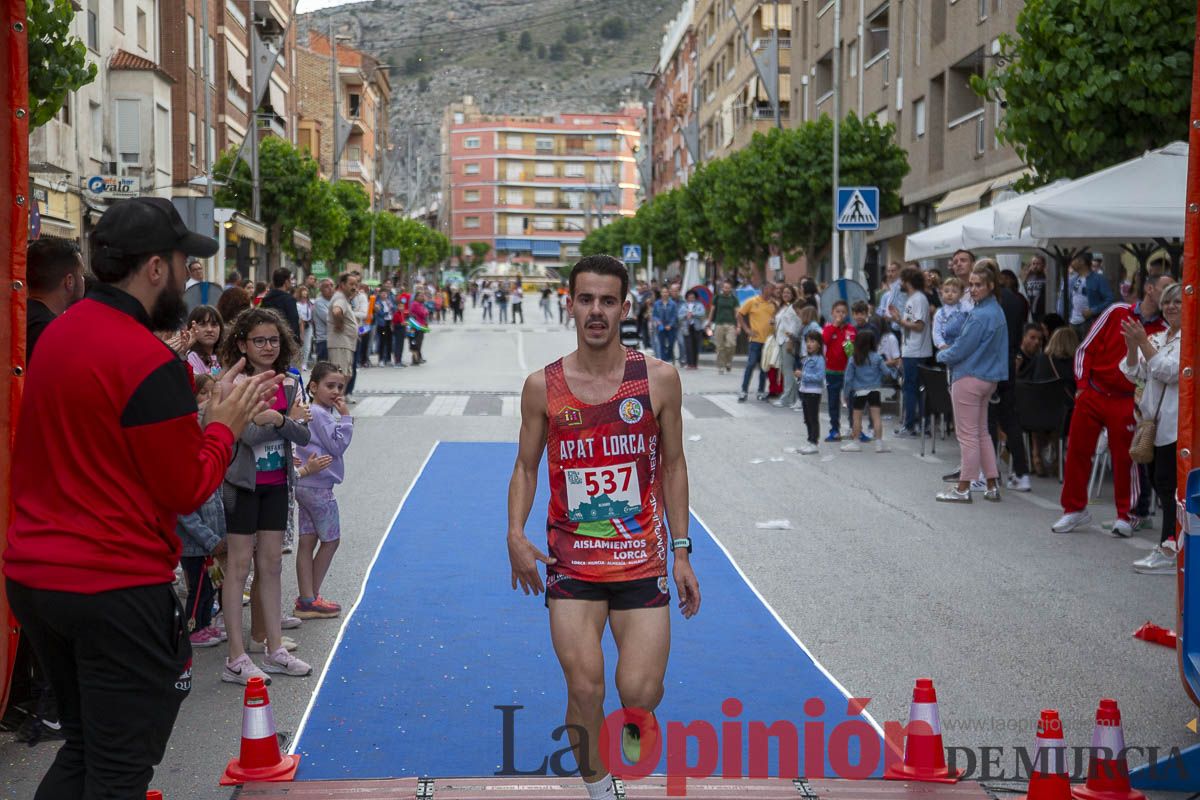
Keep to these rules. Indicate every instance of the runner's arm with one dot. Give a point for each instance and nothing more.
(522, 554)
(667, 397)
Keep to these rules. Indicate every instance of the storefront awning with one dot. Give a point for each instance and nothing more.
(958, 202)
(302, 242)
(244, 227)
(552, 249)
(58, 228)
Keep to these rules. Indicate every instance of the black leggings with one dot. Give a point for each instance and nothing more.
(1164, 487)
(811, 403)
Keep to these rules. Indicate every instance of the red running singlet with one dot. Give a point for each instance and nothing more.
(607, 519)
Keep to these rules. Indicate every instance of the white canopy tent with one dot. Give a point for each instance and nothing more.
(974, 231)
(1137, 200)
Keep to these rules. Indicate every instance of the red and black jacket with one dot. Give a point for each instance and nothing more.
(108, 452)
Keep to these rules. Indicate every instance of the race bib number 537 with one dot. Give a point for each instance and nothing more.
(609, 492)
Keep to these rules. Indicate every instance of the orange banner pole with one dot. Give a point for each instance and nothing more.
(14, 194)
(1189, 407)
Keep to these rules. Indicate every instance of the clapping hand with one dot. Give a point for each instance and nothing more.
(1133, 332)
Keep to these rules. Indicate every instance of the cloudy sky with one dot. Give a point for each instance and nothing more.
(312, 5)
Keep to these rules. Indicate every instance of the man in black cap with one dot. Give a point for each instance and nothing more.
(110, 452)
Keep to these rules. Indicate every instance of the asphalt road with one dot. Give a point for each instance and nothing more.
(881, 583)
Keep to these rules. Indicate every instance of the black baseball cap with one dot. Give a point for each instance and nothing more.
(143, 225)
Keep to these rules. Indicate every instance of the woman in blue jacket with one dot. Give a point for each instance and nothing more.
(977, 360)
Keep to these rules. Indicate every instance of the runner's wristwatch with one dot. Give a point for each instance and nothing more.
(684, 542)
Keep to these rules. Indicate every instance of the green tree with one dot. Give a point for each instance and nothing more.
(293, 197)
(356, 244)
(502, 36)
(1090, 84)
(414, 63)
(541, 50)
(57, 60)
(614, 28)
(479, 253)
(525, 42)
(573, 33)
(558, 51)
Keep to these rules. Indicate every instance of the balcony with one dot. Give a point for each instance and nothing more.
(763, 42)
(355, 169)
(272, 15)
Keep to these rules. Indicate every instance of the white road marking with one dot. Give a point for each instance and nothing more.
(730, 405)
(374, 406)
(312, 701)
(510, 406)
(784, 625)
(686, 414)
(521, 353)
(448, 405)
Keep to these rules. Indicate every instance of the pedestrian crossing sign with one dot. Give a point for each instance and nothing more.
(858, 208)
(631, 253)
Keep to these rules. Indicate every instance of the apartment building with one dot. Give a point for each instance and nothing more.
(112, 138)
(363, 92)
(675, 115)
(734, 98)
(533, 186)
(910, 63)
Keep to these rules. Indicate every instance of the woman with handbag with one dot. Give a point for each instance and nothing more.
(1154, 362)
(788, 331)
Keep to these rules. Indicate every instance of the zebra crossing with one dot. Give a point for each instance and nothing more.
(452, 404)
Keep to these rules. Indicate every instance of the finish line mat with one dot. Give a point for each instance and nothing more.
(438, 641)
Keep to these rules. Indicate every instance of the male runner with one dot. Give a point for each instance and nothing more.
(611, 421)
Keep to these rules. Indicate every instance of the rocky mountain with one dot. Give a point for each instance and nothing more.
(512, 56)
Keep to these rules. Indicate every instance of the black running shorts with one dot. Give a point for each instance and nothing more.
(264, 509)
(620, 595)
(861, 401)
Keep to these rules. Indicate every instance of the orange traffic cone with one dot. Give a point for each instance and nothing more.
(1049, 780)
(154, 794)
(1108, 774)
(260, 759)
(924, 758)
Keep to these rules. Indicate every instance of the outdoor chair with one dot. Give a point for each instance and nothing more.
(933, 389)
(1042, 407)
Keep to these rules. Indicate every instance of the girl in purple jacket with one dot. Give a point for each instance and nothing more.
(331, 428)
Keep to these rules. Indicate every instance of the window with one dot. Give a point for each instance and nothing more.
(471, 222)
(93, 25)
(823, 77)
(192, 137)
(961, 98)
(574, 170)
(471, 169)
(852, 57)
(129, 131)
(604, 173)
(354, 105)
(211, 66)
(544, 197)
(983, 9)
(354, 152)
(513, 171)
(544, 169)
(918, 118)
(877, 32)
(191, 42)
(119, 15)
(471, 142)
(143, 31)
(96, 120)
(471, 196)
(937, 21)
(571, 251)
(514, 142)
(544, 143)
(162, 137)
(574, 199)
(514, 197)
(64, 113)
(458, 118)
(212, 147)
(604, 144)
(543, 223)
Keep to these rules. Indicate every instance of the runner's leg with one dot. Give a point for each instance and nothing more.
(643, 637)
(576, 629)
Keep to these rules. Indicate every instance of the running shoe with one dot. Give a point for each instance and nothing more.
(741, 397)
(332, 606)
(1071, 521)
(1019, 483)
(979, 485)
(631, 741)
(762, 396)
(284, 663)
(1121, 529)
(241, 670)
(288, 622)
(218, 633)
(809, 449)
(313, 609)
(1135, 522)
(203, 638)
(1161, 561)
(865, 438)
(834, 436)
(953, 495)
(992, 495)
(880, 447)
(851, 447)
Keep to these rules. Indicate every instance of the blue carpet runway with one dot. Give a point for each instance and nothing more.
(439, 639)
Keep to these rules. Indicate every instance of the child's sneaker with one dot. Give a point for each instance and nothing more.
(851, 447)
(865, 438)
(241, 670)
(324, 603)
(218, 633)
(284, 663)
(203, 638)
(288, 622)
(313, 609)
(880, 447)
(833, 436)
